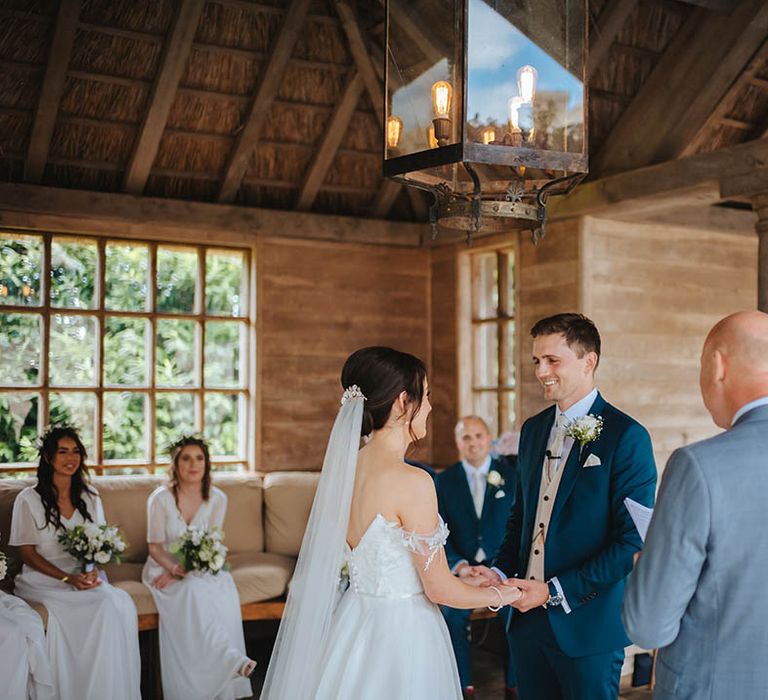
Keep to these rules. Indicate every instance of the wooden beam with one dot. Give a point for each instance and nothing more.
(693, 181)
(52, 90)
(176, 53)
(389, 190)
(363, 62)
(291, 27)
(329, 145)
(385, 198)
(710, 50)
(732, 96)
(611, 20)
(124, 215)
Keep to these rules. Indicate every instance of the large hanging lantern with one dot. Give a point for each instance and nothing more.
(486, 106)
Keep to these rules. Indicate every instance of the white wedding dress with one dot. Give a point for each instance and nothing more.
(24, 667)
(387, 640)
(92, 637)
(201, 630)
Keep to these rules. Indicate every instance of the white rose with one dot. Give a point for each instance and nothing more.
(217, 563)
(495, 479)
(102, 557)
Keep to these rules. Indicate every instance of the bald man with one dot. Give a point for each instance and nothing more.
(699, 591)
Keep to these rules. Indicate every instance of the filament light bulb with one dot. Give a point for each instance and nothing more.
(442, 94)
(394, 130)
(489, 135)
(526, 83)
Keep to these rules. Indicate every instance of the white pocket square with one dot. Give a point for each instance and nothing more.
(592, 461)
(499, 494)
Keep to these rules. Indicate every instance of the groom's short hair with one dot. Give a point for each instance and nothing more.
(580, 332)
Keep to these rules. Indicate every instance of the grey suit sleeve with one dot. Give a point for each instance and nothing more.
(665, 577)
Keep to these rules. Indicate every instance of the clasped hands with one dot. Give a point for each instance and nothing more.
(169, 576)
(85, 581)
(533, 594)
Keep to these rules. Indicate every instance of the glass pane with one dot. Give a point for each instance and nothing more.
(510, 418)
(175, 416)
(176, 353)
(127, 277)
(238, 467)
(486, 405)
(523, 76)
(485, 288)
(73, 273)
(125, 426)
(72, 353)
(19, 427)
(511, 282)
(508, 344)
(224, 349)
(78, 409)
(225, 282)
(485, 355)
(21, 265)
(21, 347)
(222, 424)
(177, 274)
(125, 351)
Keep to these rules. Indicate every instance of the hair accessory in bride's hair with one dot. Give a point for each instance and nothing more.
(352, 392)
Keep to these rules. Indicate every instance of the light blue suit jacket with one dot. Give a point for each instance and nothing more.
(699, 591)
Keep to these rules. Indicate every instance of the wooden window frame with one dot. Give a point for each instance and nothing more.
(246, 391)
(503, 246)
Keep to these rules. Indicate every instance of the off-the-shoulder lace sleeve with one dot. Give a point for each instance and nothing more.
(427, 545)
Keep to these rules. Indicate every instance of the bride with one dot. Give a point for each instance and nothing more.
(384, 637)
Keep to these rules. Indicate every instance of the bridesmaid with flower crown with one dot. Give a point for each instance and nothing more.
(202, 648)
(92, 637)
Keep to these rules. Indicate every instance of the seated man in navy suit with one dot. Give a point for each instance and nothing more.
(475, 498)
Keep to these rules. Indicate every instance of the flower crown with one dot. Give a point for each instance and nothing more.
(352, 392)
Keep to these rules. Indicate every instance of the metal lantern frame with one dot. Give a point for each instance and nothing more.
(479, 203)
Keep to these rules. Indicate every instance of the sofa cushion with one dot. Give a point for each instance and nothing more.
(243, 526)
(142, 596)
(125, 505)
(9, 489)
(260, 575)
(288, 500)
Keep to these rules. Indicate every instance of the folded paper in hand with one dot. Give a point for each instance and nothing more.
(641, 516)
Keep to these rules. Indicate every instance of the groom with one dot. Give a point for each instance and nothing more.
(570, 539)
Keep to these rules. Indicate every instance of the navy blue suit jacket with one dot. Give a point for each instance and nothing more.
(591, 537)
(468, 532)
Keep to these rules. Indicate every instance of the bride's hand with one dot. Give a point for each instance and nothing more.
(164, 579)
(475, 575)
(510, 594)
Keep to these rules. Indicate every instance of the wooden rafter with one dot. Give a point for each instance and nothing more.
(331, 141)
(266, 92)
(609, 24)
(52, 90)
(389, 189)
(720, 114)
(175, 57)
(689, 80)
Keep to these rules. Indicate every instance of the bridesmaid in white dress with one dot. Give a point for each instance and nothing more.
(202, 649)
(24, 667)
(92, 639)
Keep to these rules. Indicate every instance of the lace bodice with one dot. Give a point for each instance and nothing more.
(381, 565)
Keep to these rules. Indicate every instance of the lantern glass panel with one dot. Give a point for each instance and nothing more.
(424, 87)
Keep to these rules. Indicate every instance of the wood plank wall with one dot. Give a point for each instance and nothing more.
(654, 292)
(548, 276)
(445, 291)
(318, 303)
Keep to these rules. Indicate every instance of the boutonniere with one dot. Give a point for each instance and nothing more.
(585, 429)
(495, 479)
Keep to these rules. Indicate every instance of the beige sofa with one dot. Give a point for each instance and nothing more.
(265, 522)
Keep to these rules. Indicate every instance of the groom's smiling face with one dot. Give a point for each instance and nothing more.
(565, 376)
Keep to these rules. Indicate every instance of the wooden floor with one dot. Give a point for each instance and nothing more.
(488, 660)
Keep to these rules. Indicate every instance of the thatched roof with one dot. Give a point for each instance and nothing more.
(118, 52)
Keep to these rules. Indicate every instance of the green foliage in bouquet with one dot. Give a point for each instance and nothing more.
(201, 549)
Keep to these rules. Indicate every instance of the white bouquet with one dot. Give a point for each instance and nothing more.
(201, 549)
(3, 566)
(93, 544)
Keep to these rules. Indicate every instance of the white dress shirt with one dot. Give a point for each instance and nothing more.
(762, 401)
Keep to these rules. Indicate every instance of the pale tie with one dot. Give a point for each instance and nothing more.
(556, 446)
(478, 491)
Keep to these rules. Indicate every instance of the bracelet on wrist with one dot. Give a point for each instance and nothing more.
(64, 578)
(498, 607)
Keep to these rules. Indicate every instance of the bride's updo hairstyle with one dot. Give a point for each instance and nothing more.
(382, 374)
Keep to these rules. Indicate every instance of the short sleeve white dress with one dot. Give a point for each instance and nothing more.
(24, 667)
(92, 639)
(201, 630)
